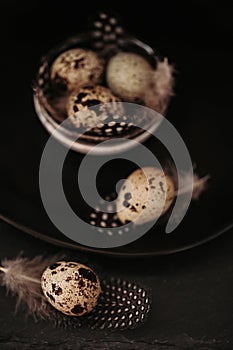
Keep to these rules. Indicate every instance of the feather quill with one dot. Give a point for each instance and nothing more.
(160, 90)
(199, 184)
(188, 179)
(21, 277)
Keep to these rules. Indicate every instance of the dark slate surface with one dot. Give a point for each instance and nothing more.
(192, 301)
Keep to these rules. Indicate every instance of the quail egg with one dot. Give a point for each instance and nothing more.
(128, 76)
(77, 67)
(145, 195)
(79, 102)
(71, 287)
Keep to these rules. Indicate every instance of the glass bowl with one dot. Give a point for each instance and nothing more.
(47, 100)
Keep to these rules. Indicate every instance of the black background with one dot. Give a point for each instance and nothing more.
(192, 292)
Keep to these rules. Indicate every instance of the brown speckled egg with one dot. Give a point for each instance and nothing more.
(77, 67)
(128, 76)
(71, 288)
(83, 98)
(146, 195)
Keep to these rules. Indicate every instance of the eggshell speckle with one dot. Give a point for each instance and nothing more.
(77, 67)
(71, 288)
(146, 195)
(128, 76)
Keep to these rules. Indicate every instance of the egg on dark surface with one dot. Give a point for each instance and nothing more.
(71, 287)
(145, 195)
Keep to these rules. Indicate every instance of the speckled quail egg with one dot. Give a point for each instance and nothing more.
(79, 102)
(145, 195)
(128, 76)
(71, 288)
(77, 67)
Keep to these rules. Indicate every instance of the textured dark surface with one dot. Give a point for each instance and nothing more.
(192, 292)
(192, 301)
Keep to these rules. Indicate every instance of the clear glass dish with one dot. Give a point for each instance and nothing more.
(53, 119)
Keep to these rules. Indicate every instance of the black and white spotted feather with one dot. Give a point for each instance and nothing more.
(108, 34)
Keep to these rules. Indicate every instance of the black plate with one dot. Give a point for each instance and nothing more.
(201, 112)
(207, 218)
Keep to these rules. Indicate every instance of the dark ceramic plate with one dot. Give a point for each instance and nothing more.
(207, 218)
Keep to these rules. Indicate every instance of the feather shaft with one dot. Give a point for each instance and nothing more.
(199, 183)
